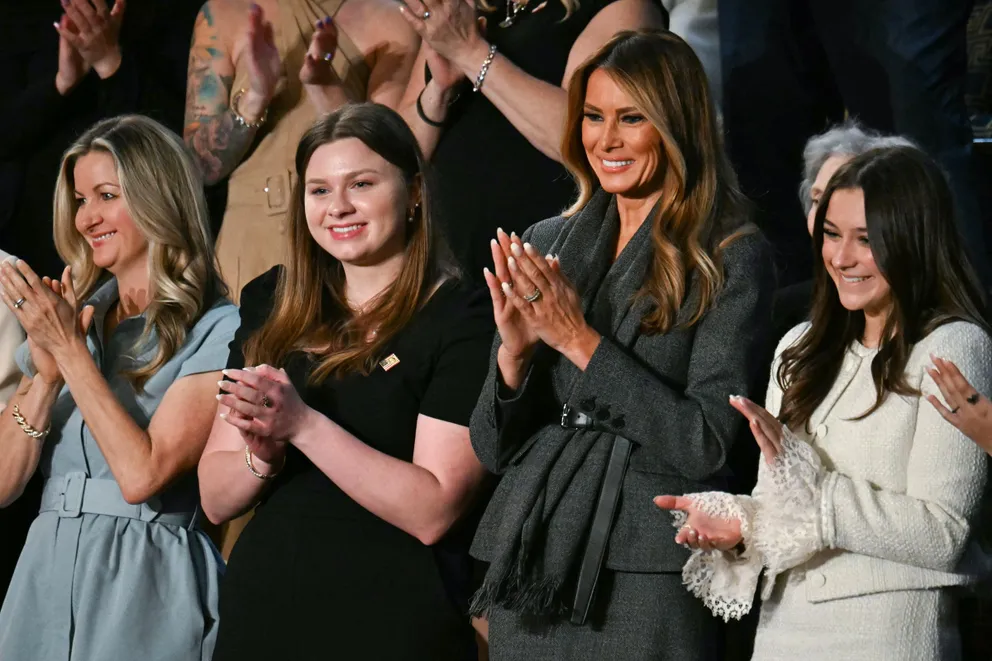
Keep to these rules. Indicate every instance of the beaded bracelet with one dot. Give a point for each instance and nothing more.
(485, 69)
(26, 428)
(251, 467)
(241, 120)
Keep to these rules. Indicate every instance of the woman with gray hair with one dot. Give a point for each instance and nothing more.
(824, 154)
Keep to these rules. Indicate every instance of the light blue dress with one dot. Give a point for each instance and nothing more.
(100, 579)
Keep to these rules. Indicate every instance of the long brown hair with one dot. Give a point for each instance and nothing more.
(163, 191)
(702, 209)
(311, 312)
(910, 221)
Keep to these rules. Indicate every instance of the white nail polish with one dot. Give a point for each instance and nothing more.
(515, 249)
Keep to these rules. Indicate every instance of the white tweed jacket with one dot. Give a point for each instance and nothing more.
(903, 487)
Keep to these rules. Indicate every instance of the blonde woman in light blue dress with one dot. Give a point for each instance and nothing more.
(117, 399)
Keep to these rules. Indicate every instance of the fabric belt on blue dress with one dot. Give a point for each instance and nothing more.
(72, 495)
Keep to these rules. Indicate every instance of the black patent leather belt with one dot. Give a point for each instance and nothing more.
(604, 515)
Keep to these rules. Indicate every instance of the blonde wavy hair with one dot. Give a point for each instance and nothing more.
(702, 209)
(163, 191)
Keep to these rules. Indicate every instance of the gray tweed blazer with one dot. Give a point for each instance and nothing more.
(667, 393)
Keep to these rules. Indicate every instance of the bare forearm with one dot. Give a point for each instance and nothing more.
(434, 102)
(227, 487)
(126, 446)
(534, 107)
(21, 453)
(399, 492)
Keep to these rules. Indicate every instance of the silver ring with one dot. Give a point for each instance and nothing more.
(425, 15)
(534, 296)
(266, 402)
(328, 57)
(19, 302)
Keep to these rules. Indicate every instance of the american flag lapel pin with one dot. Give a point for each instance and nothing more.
(389, 362)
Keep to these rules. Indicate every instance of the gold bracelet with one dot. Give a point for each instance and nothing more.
(26, 428)
(241, 120)
(261, 476)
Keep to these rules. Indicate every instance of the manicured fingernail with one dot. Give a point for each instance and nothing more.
(55, 25)
(499, 230)
(515, 249)
(529, 249)
(221, 383)
(485, 270)
(493, 242)
(512, 263)
(218, 397)
(506, 287)
(223, 416)
(549, 257)
(513, 235)
(226, 372)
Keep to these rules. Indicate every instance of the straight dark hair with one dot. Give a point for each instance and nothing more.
(311, 312)
(911, 227)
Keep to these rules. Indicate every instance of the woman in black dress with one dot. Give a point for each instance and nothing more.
(345, 415)
(496, 151)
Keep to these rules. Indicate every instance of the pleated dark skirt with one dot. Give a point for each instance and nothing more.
(636, 617)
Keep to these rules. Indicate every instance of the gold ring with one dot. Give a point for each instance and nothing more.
(534, 296)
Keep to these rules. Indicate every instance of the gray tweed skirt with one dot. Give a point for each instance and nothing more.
(636, 617)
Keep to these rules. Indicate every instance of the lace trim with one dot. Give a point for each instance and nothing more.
(780, 525)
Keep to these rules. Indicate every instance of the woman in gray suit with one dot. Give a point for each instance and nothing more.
(624, 324)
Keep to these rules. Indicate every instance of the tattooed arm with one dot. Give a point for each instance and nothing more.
(218, 141)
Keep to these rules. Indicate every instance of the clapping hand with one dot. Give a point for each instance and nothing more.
(93, 31)
(264, 65)
(48, 311)
(969, 411)
(765, 427)
(548, 303)
(266, 407)
(702, 530)
(316, 68)
(517, 337)
(449, 27)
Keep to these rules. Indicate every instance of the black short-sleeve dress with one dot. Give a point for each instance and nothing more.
(317, 576)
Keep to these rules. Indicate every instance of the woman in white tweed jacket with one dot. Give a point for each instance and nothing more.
(862, 517)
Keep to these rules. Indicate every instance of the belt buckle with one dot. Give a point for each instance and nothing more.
(72, 495)
(572, 418)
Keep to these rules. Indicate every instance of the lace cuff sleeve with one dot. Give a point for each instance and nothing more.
(780, 526)
(786, 528)
(724, 580)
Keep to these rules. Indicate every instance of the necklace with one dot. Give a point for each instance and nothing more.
(513, 8)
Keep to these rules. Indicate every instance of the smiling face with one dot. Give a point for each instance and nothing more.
(623, 147)
(827, 170)
(356, 203)
(102, 216)
(848, 257)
